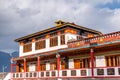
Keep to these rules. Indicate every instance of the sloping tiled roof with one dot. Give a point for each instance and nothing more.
(54, 28)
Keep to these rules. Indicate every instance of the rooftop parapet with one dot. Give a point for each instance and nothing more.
(102, 39)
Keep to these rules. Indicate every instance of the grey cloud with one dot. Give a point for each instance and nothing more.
(22, 17)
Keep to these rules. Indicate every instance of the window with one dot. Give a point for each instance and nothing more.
(63, 64)
(53, 41)
(112, 61)
(85, 34)
(40, 44)
(53, 34)
(53, 66)
(79, 37)
(62, 39)
(62, 31)
(27, 47)
(77, 63)
(43, 67)
(81, 63)
(21, 68)
(79, 32)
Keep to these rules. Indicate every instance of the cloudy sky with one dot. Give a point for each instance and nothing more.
(22, 17)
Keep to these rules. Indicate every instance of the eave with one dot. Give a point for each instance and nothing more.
(55, 28)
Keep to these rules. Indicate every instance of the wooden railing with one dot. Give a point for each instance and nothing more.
(40, 74)
(75, 73)
(68, 73)
(96, 40)
(107, 72)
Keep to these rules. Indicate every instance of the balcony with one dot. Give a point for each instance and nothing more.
(99, 72)
(99, 40)
(107, 72)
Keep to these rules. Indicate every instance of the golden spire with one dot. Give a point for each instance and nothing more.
(59, 23)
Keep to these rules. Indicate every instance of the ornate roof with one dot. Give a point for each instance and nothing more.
(64, 24)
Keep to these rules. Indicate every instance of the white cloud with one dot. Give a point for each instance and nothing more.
(22, 17)
(115, 19)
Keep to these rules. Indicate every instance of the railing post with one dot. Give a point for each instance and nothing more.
(92, 61)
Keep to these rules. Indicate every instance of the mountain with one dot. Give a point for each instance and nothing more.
(5, 60)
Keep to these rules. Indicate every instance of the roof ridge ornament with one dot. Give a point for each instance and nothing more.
(59, 23)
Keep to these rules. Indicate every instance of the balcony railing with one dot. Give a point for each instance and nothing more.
(106, 38)
(70, 73)
(107, 72)
(75, 73)
(67, 73)
(41, 74)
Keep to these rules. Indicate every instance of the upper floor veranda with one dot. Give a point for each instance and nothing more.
(53, 38)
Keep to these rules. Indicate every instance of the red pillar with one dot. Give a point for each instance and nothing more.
(58, 63)
(38, 66)
(92, 61)
(24, 65)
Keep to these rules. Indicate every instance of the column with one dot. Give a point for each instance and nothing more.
(24, 65)
(38, 66)
(58, 62)
(92, 61)
(11, 67)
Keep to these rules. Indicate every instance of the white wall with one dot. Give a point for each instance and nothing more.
(71, 63)
(47, 66)
(33, 47)
(7, 77)
(32, 67)
(20, 50)
(43, 50)
(68, 36)
(100, 61)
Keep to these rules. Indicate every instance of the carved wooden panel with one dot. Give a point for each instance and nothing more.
(17, 75)
(73, 72)
(35, 75)
(47, 73)
(26, 74)
(110, 71)
(64, 73)
(100, 71)
(119, 71)
(42, 74)
(20, 74)
(53, 73)
(13, 75)
(83, 72)
(30, 74)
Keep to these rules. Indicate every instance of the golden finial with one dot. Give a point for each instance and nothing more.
(59, 22)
